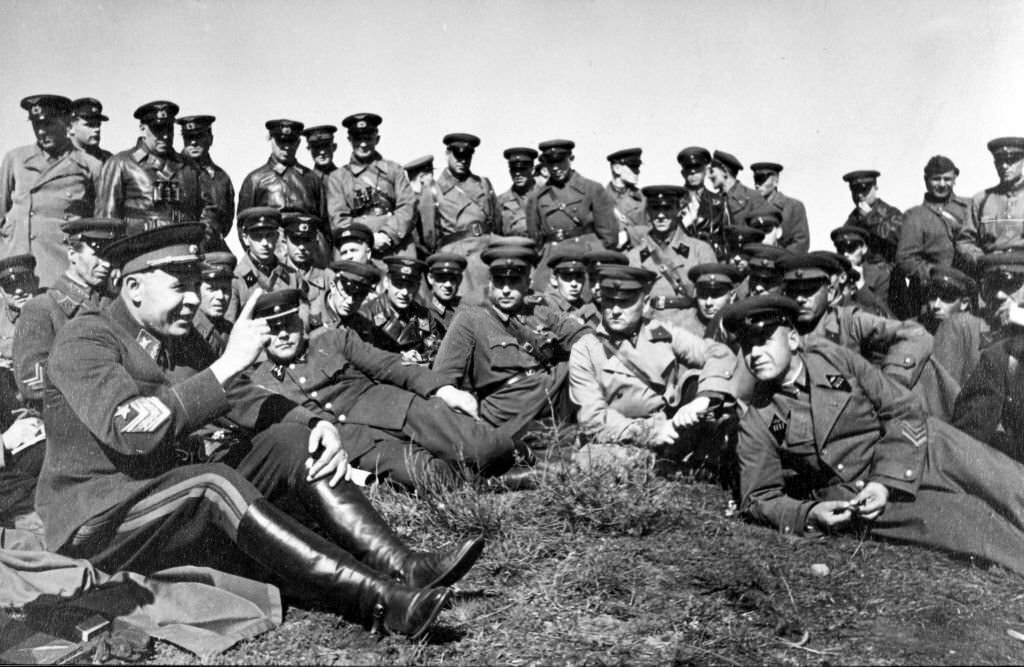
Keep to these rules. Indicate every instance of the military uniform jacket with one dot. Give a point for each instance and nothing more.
(629, 205)
(989, 405)
(741, 200)
(36, 196)
(278, 185)
(615, 404)
(995, 204)
(552, 299)
(578, 206)
(8, 323)
(314, 282)
(883, 224)
(118, 410)
(398, 331)
(100, 154)
(796, 235)
(677, 255)
(513, 213)
(321, 314)
(214, 332)
(442, 314)
(339, 374)
(248, 276)
(388, 202)
(484, 348)
(958, 342)
(849, 423)
(219, 193)
(41, 318)
(141, 185)
(452, 206)
(929, 235)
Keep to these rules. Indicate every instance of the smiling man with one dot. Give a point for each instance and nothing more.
(339, 308)
(403, 324)
(129, 386)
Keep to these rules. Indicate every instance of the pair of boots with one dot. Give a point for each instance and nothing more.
(367, 572)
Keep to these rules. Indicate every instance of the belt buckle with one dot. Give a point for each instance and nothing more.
(475, 229)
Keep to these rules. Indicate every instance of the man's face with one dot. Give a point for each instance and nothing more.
(214, 296)
(363, 144)
(569, 284)
(718, 177)
(864, 192)
(261, 243)
(711, 298)
(812, 295)
(942, 304)
(622, 310)
(444, 286)
(322, 152)
(197, 145)
(852, 249)
(52, 133)
(459, 161)
(766, 182)
(165, 301)
(520, 176)
(694, 177)
(560, 170)
(354, 251)
(663, 217)
(940, 186)
(282, 149)
(300, 250)
(86, 265)
(507, 292)
(346, 296)
(629, 174)
(286, 336)
(1010, 167)
(158, 138)
(18, 289)
(401, 291)
(768, 355)
(85, 131)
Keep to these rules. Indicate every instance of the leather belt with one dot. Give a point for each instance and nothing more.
(475, 229)
(671, 302)
(557, 235)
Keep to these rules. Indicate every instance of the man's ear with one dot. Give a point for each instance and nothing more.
(131, 286)
(794, 340)
(552, 280)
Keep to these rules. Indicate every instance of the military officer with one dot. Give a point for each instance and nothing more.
(999, 210)
(568, 282)
(958, 333)
(882, 223)
(828, 443)
(568, 208)
(84, 128)
(352, 282)
(43, 185)
(736, 236)
(217, 299)
(372, 191)
(260, 227)
(321, 145)
(763, 273)
(354, 242)
(152, 183)
(444, 275)
(703, 212)
(18, 284)
(218, 192)
(852, 243)
(594, 260)
(403, 323)
(768, 221)
(646, 383)
(83, 288)
(129, 384)
(300, 236)
(931, 230)
(715, 286)
(512, 353)
(668, 251)
(740, 200)
(623, 188)
(512, 202)
(421, 178)
(402, 422)
(795, 235)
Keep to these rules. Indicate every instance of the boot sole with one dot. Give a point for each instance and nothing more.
(467, 557)
(428, 622)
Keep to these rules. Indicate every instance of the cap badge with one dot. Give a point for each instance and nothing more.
(303, 227)
(361, 124)
(193, 249)
(799, 273)
(286, 131)
(190, 126)
(161, 115)
(36, 110)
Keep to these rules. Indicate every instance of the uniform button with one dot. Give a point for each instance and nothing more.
(786, 529)
(728, 376)
(327, 406)
(313, 394)
(908, 362)
(291, 366)
(839, 467)
(908, 474)
(302, 380)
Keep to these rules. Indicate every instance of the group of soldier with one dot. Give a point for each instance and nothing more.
(383, 325)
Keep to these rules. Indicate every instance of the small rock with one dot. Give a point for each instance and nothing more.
(820, 570)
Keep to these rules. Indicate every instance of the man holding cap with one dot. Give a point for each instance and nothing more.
(421, 178)
(218, 192)
(624, 191)
(43, 185)
(402, 322)
(444, 275)
(83, 288)
(133, 381)
(372, 191)
(795, 235)
(84, 128)
(218, 302)
(260, 229)
(512, 202)
(999, 210)
(151, 183)
(321, 145)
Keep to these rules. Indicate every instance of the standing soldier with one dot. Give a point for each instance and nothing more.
(218, 192)
(420, 173)
(372, 191)
(217, 298)
(740, 200)
(512, 202)
(403, 323)
(260, 227)
(568, 208)
(444, 275)
(882, 223)
(152, 183)
(84, 128)
(44, 185)
(999, 210)
(321, 145)
(704, 210)
(796, 236)
(18, 284)
(629, 200)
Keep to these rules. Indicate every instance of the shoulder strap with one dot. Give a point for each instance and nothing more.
(665, 272)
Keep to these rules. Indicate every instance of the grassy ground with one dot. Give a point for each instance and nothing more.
(594, 568)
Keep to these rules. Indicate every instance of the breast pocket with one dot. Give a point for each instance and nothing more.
(506, 353)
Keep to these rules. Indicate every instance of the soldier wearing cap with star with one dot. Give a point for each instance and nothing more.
(795, 234)
(351, 283)
(402, 322)
(829, 444)
(299, 230)
(852, 244)
(152, 184)
(512, 352)
(218, 192)
(624, 191)
(702, 211)
(44, 185)
(83, 288)
(740, 200)
(715, 286)
(950, 303)
(84, 127)
(566, 290)
(218, 299)
(260, 229)
(321, 145)
(444, 275)
(763, 273)
(512, 202)
(768, 221)
(372, 191)
(568, 208)
(999, 210)
(645, 383)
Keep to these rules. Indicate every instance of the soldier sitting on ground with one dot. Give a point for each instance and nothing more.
(568, 280)
(217, 299)
(444, 275)
(950, 297)
(402, 323)
(352, 282)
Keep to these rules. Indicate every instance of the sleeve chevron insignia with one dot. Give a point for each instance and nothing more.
(142, 415)
(35, 381)
(916, 433)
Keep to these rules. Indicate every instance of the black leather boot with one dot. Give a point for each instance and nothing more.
(351, 521)
(312, 568)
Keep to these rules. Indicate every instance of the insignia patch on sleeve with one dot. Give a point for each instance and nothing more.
(916, 433)
(35, 381)
(141, 415)
(778, 429)
(683, 250)
(837, 382)
(659, 333)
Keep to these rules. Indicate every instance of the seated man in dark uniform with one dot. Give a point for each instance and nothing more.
(402, 322)
(217, 299)
(444, 276)
(351, 283)
(131, 383)
(568, 280)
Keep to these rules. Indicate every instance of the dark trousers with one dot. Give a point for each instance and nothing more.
(458, 439)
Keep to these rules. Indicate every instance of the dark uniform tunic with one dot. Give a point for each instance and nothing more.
(249, 276)
(845, 422)
(796, 236)
(711, 221)
(410, 329)
(376, 194)
(218, 192)
(37, 194)
(928, 238)
(513, 213)
(442, 314)
(631, 209)
(883, 224)
(278, 185)
(989, 406)
(139, 185)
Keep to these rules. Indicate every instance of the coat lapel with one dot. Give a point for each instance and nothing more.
(830, 392)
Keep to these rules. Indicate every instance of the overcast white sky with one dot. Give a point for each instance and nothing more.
(821, 86)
